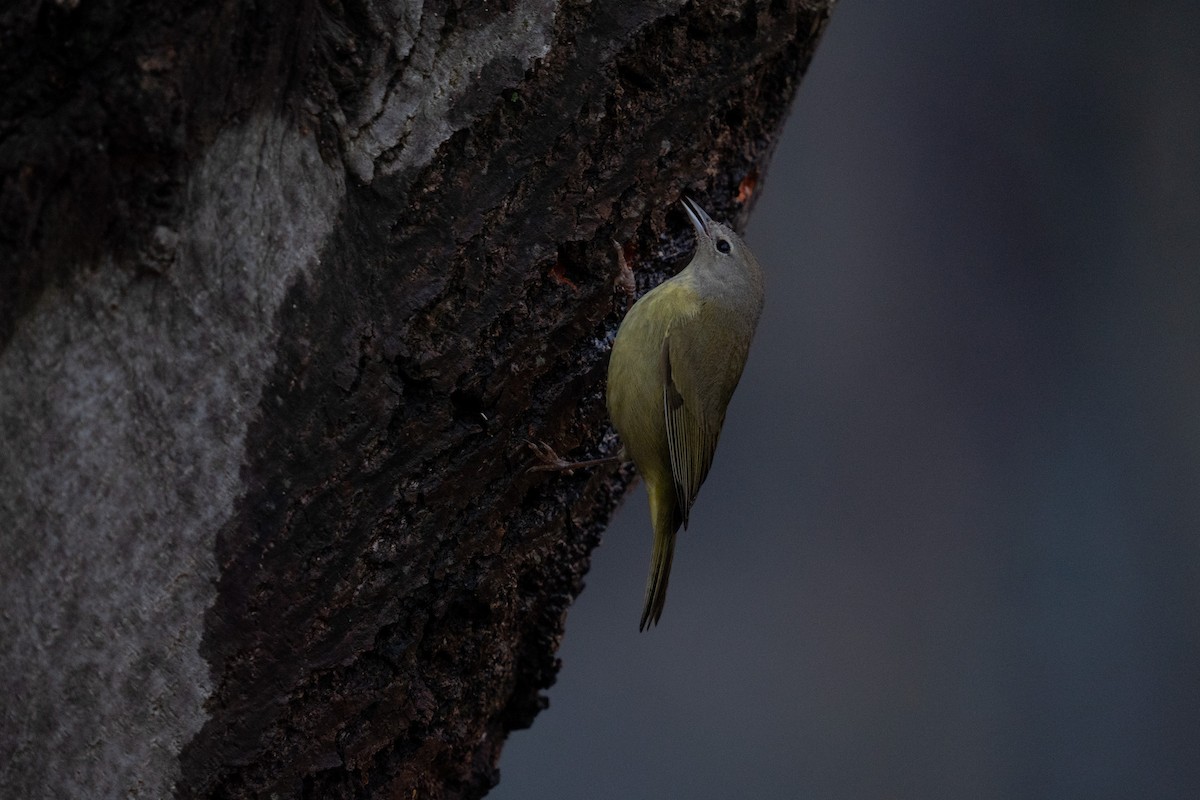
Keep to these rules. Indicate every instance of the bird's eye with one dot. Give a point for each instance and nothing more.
(723, 246)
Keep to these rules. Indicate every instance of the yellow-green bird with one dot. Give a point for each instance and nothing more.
(676, 360)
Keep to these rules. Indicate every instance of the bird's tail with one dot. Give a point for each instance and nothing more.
(665, 515)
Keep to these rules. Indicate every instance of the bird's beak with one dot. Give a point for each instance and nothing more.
(700, 220)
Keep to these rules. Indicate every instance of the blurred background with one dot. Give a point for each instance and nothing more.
(950, 546)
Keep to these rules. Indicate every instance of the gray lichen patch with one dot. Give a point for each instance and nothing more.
(404, 116)
(124, 402)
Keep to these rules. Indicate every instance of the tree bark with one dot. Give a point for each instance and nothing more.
(284, 289)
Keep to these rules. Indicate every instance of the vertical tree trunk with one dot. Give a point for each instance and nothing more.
(284, 289)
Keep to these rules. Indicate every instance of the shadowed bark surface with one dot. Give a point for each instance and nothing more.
(283, 292)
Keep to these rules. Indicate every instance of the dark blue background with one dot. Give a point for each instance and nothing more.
(950, 546)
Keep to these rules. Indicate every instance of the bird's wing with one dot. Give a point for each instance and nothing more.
(699, 372)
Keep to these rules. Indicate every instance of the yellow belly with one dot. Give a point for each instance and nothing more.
(635, 377)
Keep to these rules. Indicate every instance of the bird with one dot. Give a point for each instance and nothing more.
(676, 360)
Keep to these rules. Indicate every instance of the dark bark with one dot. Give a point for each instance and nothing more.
(284, 288)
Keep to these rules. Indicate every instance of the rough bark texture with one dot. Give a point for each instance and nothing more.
(284, 288)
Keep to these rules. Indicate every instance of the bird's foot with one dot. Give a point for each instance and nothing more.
(550, 461)
(624, 281)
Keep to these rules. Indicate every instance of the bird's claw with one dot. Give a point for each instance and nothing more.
(550, 461)
(624, 280)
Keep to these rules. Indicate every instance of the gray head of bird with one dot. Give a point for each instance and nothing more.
(716, 242)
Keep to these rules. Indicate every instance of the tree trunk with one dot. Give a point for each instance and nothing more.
(284, 289)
